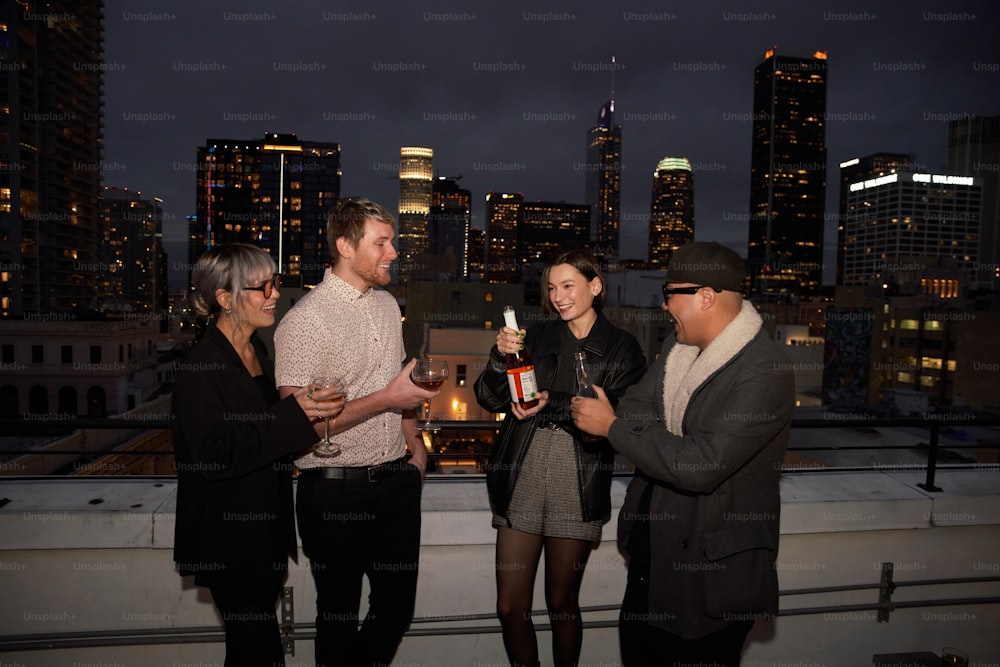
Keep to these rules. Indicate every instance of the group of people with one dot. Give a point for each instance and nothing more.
(705, 425)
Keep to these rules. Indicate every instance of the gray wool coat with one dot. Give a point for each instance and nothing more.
(715, 506)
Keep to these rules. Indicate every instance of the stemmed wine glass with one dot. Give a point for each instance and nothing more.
(326, 446)
(429, 374)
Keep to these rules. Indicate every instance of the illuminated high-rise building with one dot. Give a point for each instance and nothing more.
(862, 169)
(131, 253)
(274, 193)
(548, 228)
(603, 179)
(974, 150)
(477, 253)
(671, 214)
(416, 184)
(450, 219)
(51, 92)
(503, 218)
(905, 222)
(788, 175)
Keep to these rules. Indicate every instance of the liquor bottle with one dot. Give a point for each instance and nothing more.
(583, 386)
(520, 369)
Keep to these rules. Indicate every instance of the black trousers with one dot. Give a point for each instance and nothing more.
(643, 645)
(248, 614)
(352, 529)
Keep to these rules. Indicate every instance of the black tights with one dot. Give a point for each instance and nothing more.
(517, 557)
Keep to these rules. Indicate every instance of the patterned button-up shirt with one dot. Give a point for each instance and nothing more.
(335, 330)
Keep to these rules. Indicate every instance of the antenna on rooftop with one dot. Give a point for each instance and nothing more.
(613, 68)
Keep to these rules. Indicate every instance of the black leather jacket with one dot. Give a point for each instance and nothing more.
(614, 360)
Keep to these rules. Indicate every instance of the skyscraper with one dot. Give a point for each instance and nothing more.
(416, 183)
(603, 179)
(671, 214)
(974, 150)
(50, 150)
(450, 218)
(503, 217)
(272, 192)
(788, 175)
(862, 169)
(547, 228)
(132, 252)
(477, 253)
(904, 222)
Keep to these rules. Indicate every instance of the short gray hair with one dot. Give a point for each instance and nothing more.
(229, 267)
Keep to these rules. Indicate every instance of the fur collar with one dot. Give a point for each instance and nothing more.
(686, 369)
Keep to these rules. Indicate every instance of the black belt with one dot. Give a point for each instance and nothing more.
(370, 474)
(545, 422)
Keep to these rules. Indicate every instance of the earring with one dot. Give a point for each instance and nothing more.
(229, 311)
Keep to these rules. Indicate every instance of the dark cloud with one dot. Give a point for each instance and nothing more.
(504, 92)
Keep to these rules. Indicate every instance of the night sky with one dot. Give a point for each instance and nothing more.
(505, 92)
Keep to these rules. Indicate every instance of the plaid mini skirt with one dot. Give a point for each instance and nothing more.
(546, 499)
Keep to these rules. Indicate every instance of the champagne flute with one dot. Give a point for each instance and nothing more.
(327, 447)
(429, 374)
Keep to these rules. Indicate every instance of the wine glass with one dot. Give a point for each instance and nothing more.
(429, 374)
(327, 447)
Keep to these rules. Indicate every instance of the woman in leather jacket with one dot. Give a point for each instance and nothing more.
(549, 487)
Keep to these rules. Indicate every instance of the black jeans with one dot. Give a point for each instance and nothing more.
(352, 529)
(248, 613)
(643, 645)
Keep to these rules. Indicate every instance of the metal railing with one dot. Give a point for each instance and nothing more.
(486, 622)
(36, 426)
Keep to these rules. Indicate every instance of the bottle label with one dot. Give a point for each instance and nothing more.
(522, 383)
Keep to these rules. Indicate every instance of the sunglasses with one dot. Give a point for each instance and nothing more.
(268, 287)
(693, 289)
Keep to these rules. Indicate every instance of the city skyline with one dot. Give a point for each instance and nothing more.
(506, 97)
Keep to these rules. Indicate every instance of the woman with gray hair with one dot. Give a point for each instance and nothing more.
(233, 440)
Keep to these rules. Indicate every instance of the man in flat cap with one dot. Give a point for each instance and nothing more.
(706, 428)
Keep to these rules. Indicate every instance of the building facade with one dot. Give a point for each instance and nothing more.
(466, 305)
(788, 175)
(974, 150)
(273, 192)
(603, 179)
(416, 185)
(477, 254)
(671, 213)
(548, 228)
(941, 350)
(50, 155)
(450, 219)
(862, 169)
(905, 223)
(61, 368)
(504, 214)
(132, 253)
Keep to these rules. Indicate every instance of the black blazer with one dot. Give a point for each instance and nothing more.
(235, 516)
(615, 362)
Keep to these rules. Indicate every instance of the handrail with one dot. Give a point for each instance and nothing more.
(56, 424)
(58, 421)
(306, 630)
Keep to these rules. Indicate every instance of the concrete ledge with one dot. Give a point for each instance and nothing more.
(967, 497)
(61, 513)
(848, 501)
(73, 513)
(69, 566)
